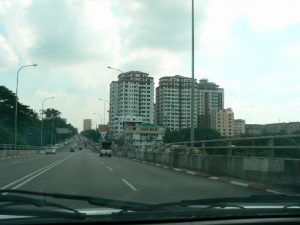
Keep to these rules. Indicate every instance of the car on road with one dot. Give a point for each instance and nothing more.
(50, 151)
(72, 149)
(105, 152)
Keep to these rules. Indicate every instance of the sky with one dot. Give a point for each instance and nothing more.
(251, 48)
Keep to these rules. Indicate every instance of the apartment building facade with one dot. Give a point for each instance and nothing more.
(131, 101)
(87, 124)
(239, 127)
(223, 121)
(173, 102)
(211, 97)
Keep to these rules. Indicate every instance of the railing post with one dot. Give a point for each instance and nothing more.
(270, 147)
(253, 148)
(203, 148)
(229, 148)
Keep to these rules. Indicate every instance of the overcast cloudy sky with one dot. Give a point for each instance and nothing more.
(251, 48)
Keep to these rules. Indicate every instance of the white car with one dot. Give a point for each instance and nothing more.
(106, 152)
(51, 150)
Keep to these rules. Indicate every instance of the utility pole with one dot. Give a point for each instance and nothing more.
(193, 82)
(52, 130)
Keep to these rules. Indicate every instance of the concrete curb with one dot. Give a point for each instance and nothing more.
(259, 187)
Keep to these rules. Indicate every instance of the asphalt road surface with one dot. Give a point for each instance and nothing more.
(85, 173)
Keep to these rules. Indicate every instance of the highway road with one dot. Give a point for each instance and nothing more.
(85, 173)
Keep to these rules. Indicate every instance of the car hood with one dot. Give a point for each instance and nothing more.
(86, 211)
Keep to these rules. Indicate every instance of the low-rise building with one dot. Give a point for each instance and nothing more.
(223, 121)
(281, 128)
(272, 128)
(254, 129)
(144, 137)
(120, 123)
(239, 127)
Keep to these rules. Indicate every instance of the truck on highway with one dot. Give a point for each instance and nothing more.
(105, 149)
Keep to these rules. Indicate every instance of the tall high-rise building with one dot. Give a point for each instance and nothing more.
(211, 97)
(173, 102)
(87, 124)
(131, 101)
(222, 120)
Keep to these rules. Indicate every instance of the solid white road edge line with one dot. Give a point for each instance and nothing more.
(191, 172)
(239, 183)
(40, 173)
(16, 181)
(33, 174)
(274, 192)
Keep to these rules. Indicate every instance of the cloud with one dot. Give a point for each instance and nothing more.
(71, 32)
(17, 30)
(292, 52)
(155, 25)
(7, 55)
(155, 62)
(74, 41)
(271, 15)
(216, 35)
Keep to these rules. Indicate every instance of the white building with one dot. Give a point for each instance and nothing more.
(144, 137)
(87, 124)
(173, 102)
(223, 121)
(131, 100)
(239, 127)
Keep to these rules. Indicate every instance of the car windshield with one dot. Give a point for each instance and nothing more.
(149, 109)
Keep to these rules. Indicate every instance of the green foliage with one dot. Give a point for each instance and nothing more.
(29, 123)
(91, 134)
(51, 113)
(201, 133)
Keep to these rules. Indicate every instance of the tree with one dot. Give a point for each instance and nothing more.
(201, 133)
(29, 124)
(91, 134)
(51, 113)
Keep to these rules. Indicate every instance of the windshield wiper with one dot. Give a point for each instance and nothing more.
(232, 202)
(103, 202)
(6, 201)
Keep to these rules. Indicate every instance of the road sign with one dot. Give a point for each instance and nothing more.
(103, 129)
(62, 130)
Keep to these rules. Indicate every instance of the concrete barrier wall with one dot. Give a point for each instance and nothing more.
(16, 153)
(264, 170)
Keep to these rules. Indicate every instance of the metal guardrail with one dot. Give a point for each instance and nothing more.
(232, 145)
(20, 147)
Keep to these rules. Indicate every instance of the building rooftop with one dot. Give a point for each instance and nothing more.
(175, 76)
(149, 125)
(132, 74)
(205, 84)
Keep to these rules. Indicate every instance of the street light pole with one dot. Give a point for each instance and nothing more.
(42, 122)
(111, 68)
(193, 82)
(95, 124)
(104, 100)
(16, 106)
(99, 116)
